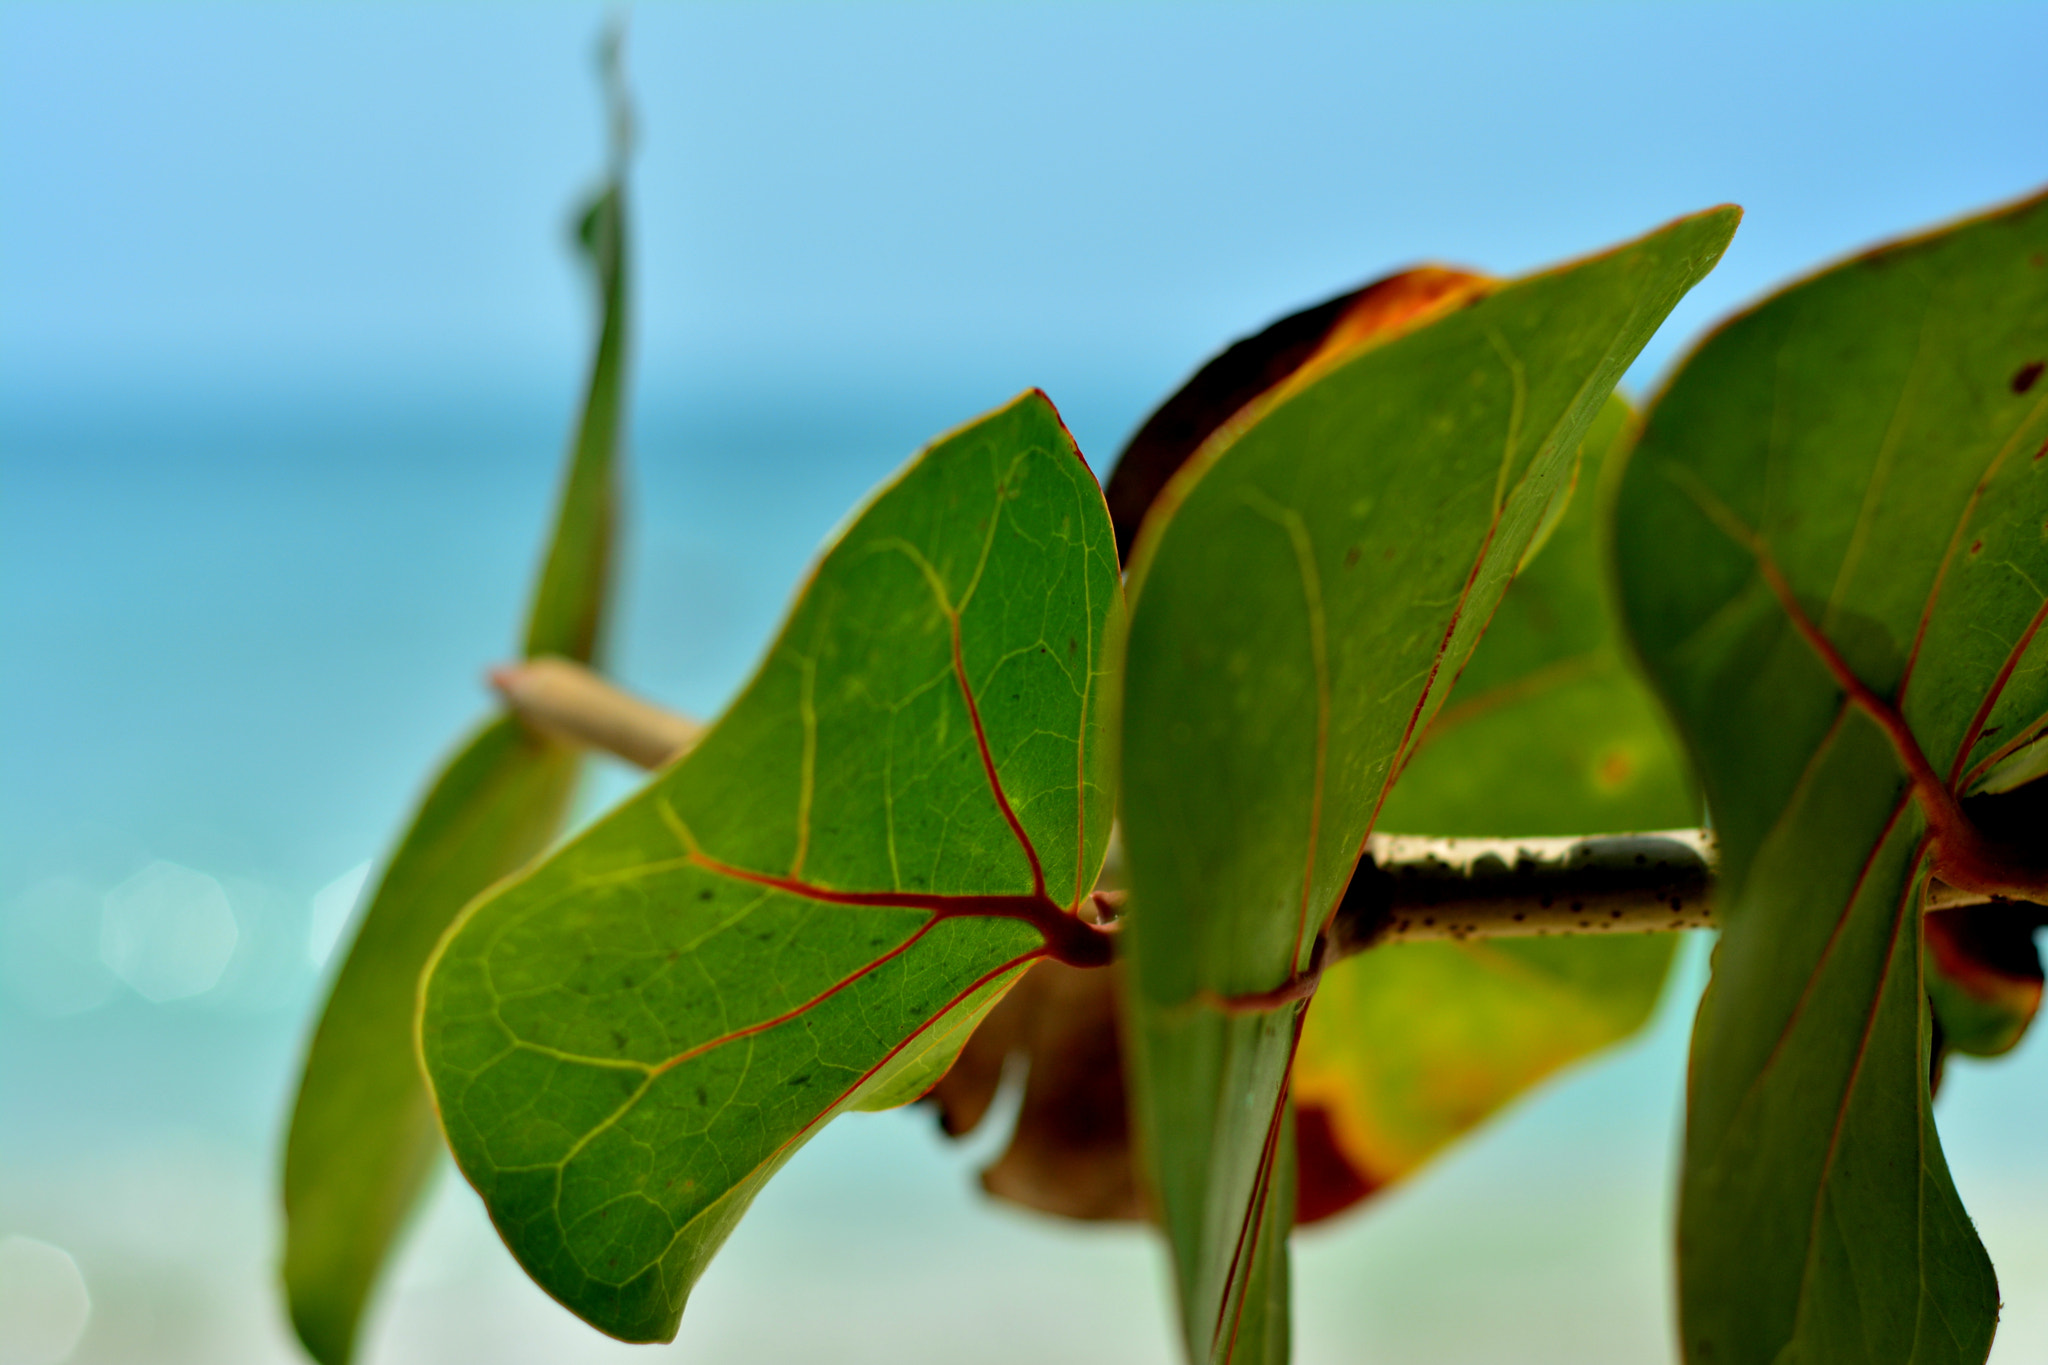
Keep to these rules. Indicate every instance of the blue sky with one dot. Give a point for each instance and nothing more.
(861, 195)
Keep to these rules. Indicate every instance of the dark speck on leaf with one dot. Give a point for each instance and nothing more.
(702, 1098)
(618, 1040)
(1976, 547)
(705, 894)
(1351, 555)
(2027, 374)
(799, 1080)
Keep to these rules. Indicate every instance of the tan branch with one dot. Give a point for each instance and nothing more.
(569, 702)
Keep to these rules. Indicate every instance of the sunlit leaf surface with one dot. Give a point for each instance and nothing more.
(362, 1139)
(903, 810)
(1831, 546)
(1306, 590)
(1548, 732)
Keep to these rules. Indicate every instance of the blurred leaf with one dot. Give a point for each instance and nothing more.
(1305, 591)
(1983, 967)
(362, 1139)
(808, 913)
(1983, 978)
(1548, 732)
(1070, 1151)
(1831, 551)
(569, 602)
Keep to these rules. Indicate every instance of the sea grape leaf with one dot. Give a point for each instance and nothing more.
(1069, 1153)
(568, 612)
(362, 1141)
(1830, 546)
(1305, 591)
(904, 809)
(1548, 732)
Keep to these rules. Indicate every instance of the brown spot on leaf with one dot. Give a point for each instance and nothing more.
(2023, 379)
(1977, 546)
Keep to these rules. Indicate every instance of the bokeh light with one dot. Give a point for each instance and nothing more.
(44, 1306)
(168, 932)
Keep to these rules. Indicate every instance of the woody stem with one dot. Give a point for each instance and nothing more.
(1406, 889)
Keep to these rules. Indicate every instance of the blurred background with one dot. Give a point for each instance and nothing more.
(289, 346)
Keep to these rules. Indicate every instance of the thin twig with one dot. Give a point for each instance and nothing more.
(569, 702)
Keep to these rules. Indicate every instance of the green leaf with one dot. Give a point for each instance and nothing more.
(904, 809)
(1548, 732)
(362, 1137)
(1831, 550)
(569, 601)
(1306, 590)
